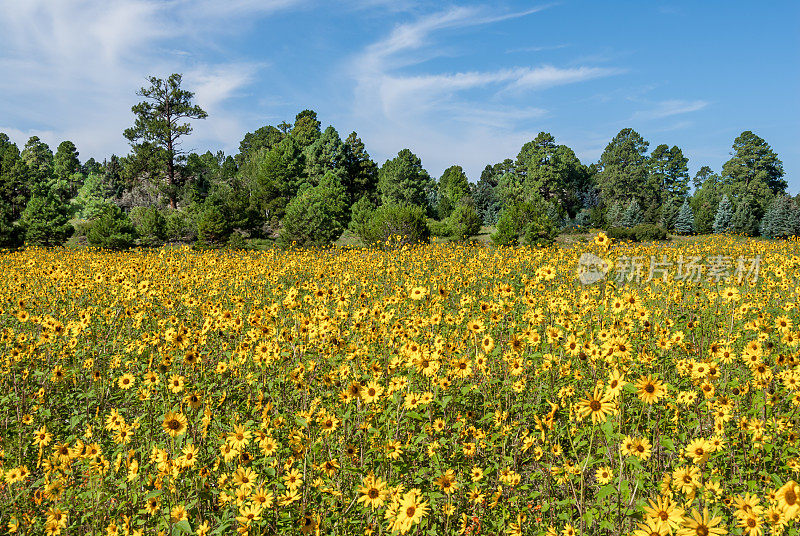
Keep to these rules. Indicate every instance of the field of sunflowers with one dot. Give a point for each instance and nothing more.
(436, 389)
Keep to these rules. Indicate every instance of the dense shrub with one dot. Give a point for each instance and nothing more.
(45, 221)
(111, 229)
(463, 222)
(403, 224)
(641, 233)
(526, 222)
(314, 218)
(212, 226)
(150, 224)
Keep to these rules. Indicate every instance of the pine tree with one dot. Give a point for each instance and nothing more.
(722, 221)
(744, 220)
(782, 219)
(632, 215)
(685, 221)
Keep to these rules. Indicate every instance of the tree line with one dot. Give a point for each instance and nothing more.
(299, 184)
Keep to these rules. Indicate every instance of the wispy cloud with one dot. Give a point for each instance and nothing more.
(73, 68)
(669, 108)
(537, 48)
(469, 111)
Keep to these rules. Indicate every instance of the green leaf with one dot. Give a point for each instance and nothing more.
(181, 527)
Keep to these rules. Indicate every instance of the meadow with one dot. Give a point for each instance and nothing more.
(433, 389)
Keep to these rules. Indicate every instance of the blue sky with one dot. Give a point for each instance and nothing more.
(457, 83)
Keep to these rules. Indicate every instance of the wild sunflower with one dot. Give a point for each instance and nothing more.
(174, 423)
(604, 475)
(373, 491)
(702, 525)
(666, 514)
(597, 405)
(788, 499)
(447, 482)
(650, 390)
(126, 381)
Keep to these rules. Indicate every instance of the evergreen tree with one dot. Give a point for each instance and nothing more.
(614, 214)
(325, 155)
(45, 221)
(14, 184)
(306, 129)
(622, 170)
(744, 221)
(632, 215)
(362, 172)
(707, 193)
(39, 159)
(111, 229)
(403, 180)
(685, 221)
(67, 167)
(724, 216)
(158, 123)
(754, 171)
(782, 220)
(453, 186)
(317, 216)
(486, 196)
(265, 137)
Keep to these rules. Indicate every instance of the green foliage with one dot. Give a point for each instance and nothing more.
(111, 229)
(306, 128)
(265, 137)
(782, 220)
(552, 172)
(362, 172)
(632, 215)
(360, 214)
(463, 222)
(14, 191)
(639, 233)
(180, 226)
(213, 228)
(273, 177)
(45, 221)
(316, 217)
(486, 195)
(325, 155)
(453, 187)
(402, 180)
(649, 232)
(150, 224)
(525, 223)
(623, 167)
(685, 221)
(724, 216)
(754, 171)
(745, 221)
(396, 224)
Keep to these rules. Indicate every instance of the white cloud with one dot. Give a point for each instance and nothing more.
(72, 68)
(669, 108)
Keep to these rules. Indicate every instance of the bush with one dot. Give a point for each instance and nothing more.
(112, 229)
(640, 233)
(313, 218)
(525, 222)
(621, 233)
(648, 232)
(150, 224)
(439, 229)
(463, 222)
(360, 214)
(212, 226)
(180, 227)
(403, 224)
